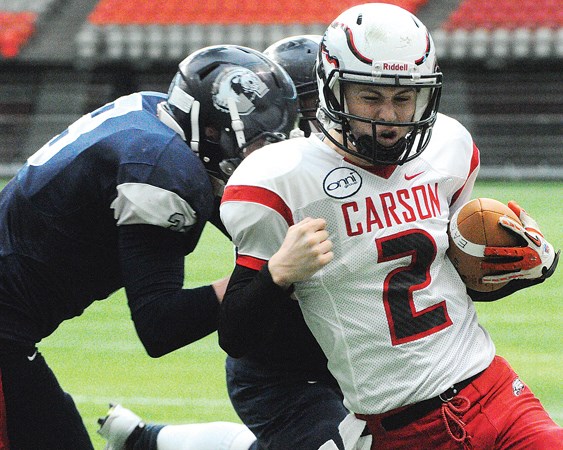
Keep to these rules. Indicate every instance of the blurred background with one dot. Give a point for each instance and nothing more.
(502, 64)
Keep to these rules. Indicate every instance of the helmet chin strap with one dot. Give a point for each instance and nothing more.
(228, 166)
(236, 124)
(194, 121)
(364, 144)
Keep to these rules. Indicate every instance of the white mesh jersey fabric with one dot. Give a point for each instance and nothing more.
(389, 311)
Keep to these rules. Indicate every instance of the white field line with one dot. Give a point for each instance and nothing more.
(156, 401)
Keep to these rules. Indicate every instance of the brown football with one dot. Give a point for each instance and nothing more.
(474, 226)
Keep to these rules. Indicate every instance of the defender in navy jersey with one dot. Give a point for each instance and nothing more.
(117, 200)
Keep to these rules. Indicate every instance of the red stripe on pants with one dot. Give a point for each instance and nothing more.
(3, 420)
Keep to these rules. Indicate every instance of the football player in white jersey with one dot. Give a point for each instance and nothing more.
(355, 225)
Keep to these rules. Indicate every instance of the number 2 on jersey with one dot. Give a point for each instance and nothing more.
(406, 324)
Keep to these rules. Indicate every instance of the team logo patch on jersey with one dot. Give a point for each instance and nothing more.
(342, 182)
(240, 84)
(517, 387)
(179, 222)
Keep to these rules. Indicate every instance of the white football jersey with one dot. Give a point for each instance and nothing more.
(390, 311)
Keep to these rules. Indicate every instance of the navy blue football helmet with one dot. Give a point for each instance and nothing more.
(298, 55)
(227, 97)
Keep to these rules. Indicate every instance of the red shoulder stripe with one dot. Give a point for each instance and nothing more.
(262, 196)
(473, 166)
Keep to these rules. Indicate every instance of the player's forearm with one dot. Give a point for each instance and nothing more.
(166, 316)
(176, 320)
(249, 310)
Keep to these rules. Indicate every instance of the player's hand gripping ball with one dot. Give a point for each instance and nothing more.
(491, 244)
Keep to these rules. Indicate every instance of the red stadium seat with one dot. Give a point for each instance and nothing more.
(121, 12)
(111, 26)
(503, 29)
(15, 30)
(509, 14)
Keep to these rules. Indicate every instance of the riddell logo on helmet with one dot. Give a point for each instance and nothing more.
(395, 66)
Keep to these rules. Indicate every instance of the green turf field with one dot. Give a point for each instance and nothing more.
(98, 358)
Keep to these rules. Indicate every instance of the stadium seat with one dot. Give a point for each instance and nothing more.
(15, 29)
(558, 43)
(18, 21)
(504, 29)
(544, 38)
(171, 30)
(225, 12)
(475, 14)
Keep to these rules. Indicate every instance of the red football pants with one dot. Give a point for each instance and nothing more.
(495, 411)
(3, 420)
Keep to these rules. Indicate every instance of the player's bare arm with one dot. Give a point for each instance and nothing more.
(305, 249)
(220, 286)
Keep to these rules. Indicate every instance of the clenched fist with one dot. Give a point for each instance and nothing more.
(305, 249)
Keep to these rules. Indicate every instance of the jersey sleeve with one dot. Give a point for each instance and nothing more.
(144, 204)
(453, 153)
(257, 217)
(168, 187)
(255, 220)
(255, 212)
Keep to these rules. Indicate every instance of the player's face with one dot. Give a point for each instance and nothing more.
(381, 103)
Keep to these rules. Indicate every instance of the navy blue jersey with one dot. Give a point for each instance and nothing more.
(61, 216)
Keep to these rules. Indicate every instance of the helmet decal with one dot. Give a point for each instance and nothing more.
(240, 84)
(331, 59)
(350, 41)
(421, 60)
(227, 97)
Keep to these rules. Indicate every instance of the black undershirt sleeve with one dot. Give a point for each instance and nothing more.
(165, 315)
(215, 218)
(250, 310)
(506, 290)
